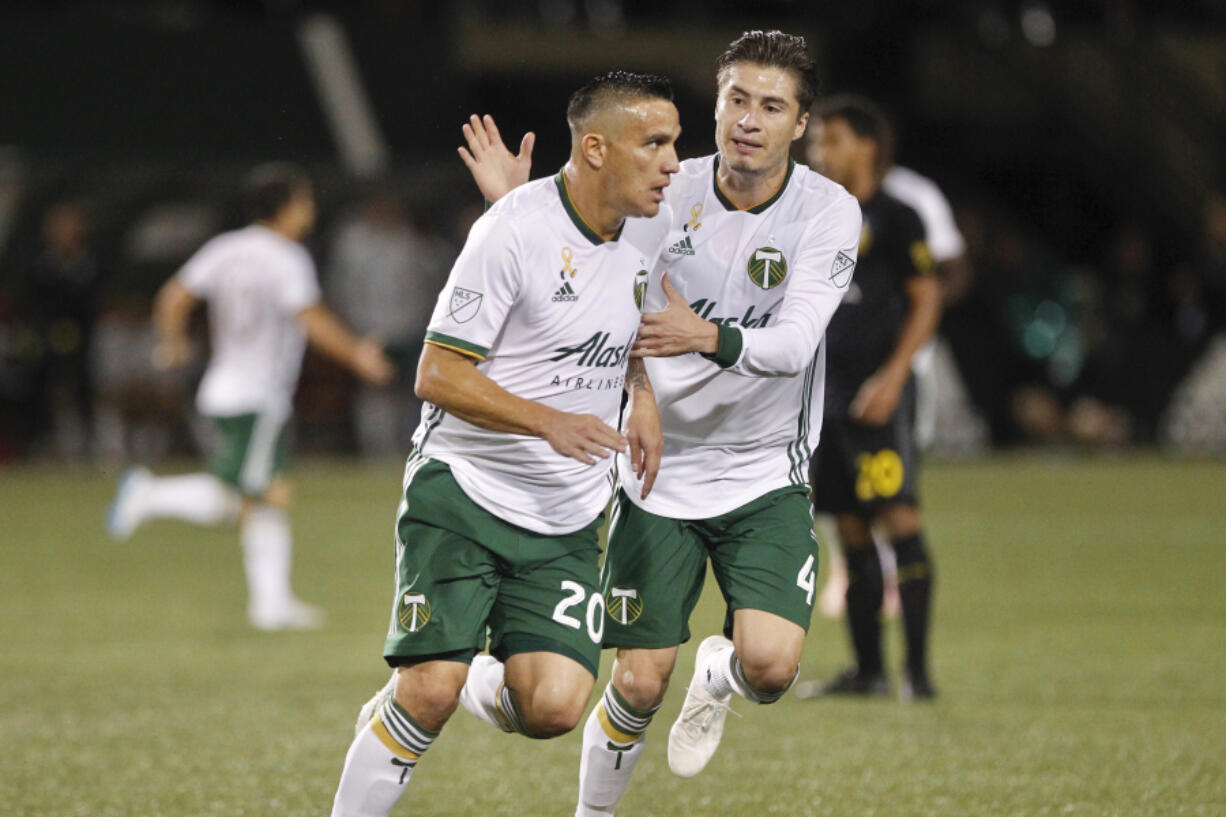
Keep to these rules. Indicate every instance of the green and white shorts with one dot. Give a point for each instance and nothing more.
(251, 449)
(462, 573)
(763, 554)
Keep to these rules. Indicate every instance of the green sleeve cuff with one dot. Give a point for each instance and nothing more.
(728, 348)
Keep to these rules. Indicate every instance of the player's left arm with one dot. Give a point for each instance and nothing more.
(642, 430)
(817, 279)
(877, 398)
(363, 356)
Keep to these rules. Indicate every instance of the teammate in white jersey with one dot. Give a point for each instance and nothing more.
(527, 358)
(263, 301)
(760, 254)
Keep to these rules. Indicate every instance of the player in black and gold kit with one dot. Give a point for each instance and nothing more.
(864, 470)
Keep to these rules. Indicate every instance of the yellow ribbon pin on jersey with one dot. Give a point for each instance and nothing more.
(567, 256)
(695, 213)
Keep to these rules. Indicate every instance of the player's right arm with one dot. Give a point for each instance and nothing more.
(495, 170)
(172, 308)
(450, 380)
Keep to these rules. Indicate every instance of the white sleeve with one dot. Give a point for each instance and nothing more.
(483, 285)
(923, 196)
(299, 288)
(819, 278)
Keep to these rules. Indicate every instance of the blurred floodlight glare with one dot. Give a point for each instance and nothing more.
(1038, 25)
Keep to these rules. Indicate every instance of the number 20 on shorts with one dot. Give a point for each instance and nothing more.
(881, 475)
(595, 610)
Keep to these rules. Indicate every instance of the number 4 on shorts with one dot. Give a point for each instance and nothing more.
(806, 579)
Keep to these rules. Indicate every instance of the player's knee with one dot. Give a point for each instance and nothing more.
(280, 494)
(643, 690)
(429, 696)
(770, 678)
(901, 521)
(552, 711)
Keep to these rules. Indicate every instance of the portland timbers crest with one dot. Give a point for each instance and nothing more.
(413, 611)
(640, 288)
(767, 267)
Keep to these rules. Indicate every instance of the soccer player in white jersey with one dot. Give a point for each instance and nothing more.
(263, 302)
(525, 365)
(760, 254)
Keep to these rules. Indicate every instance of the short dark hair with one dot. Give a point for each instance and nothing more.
(776, 50)
(269, 187)
(867, 119)
(614, 85)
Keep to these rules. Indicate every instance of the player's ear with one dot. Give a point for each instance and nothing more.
(802, 124)
(593, 147)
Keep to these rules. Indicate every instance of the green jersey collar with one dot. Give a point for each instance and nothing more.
(569, 206)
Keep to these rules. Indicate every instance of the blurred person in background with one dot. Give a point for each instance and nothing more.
(381, 277)
(865, 469)
(264, 306)
(948, 250)
(59, 301)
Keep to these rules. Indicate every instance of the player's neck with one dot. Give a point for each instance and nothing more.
(280, 228)
(585, 196)
(864, 187)
(748, 190)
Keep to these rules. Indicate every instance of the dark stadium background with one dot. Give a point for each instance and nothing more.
(1074, 501)
(1080, 143)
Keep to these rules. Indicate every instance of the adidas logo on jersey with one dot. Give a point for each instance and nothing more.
(682, 247)
(565, 294)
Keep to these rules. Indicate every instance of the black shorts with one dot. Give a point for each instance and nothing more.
(861, 469)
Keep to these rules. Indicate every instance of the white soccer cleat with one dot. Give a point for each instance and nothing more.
(369, 709)
(695, 735)
(484, 673)
(127, 509)
(291, 615)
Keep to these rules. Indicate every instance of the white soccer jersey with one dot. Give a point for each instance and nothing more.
(551, 311)
(745, 423)
(255, 281)
(923, 196)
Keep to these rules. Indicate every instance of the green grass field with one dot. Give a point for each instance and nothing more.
(1080, 649)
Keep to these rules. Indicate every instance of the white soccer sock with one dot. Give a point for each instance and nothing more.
(267, 547)
(718, 678)
(380, 763)
(613, 740)
(199, 498)
(725, 674)
(485, 694)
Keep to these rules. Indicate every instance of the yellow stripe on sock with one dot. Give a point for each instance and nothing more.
(390, 742)
(615, 734)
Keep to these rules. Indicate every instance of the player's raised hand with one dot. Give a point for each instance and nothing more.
(495, 169)
(675, 330)
(583, 437)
